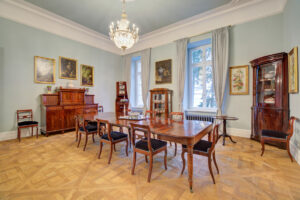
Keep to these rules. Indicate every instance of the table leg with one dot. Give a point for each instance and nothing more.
(190, 166)
(129, 133)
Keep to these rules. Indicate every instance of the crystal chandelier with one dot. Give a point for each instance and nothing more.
(121, 34)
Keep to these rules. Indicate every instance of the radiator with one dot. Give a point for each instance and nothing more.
(200, 116)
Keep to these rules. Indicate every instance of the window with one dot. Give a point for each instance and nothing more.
(136, 82)
(201, 90)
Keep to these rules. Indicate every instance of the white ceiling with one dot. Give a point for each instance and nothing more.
(149, 15)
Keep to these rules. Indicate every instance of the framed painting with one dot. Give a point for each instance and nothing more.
(163, 72)
(44, 70)
(293, 70)
(67, 68)
(239, 80)
(87, 75)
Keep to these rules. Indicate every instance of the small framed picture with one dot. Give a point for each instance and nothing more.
(87, 75)
(44, 70)
(293, 70)
(239, 80)
(163, 72)
(67, 68)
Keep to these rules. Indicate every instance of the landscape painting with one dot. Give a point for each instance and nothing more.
(44, 70)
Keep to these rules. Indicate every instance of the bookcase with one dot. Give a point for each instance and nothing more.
(122, 97)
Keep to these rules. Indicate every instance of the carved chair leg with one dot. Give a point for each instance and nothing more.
(183, 162)
(214, 158)
(93, 138)
(79, 140)
(288, 150)
(133, 163)
(262, 147)
(150, 168)
(210, 169)
(19, 134)
(115, 147)
(111, 151)
(86, 140)
(146, 159)
(126, 148)
(37, 132)
(100, 151)
(175, 153)
(170, 143)
(165, 158)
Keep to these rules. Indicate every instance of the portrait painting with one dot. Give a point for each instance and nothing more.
(87, 75)
(163, 72)
(293, 70)
(44, 70)
(239, 80)
(67, 68)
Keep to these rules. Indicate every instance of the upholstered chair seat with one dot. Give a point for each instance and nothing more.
(274, 134)
(26, 123)
(202, 145)
(155, 144)
(115, 136)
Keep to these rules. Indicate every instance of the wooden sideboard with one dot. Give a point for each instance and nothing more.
(59, 109)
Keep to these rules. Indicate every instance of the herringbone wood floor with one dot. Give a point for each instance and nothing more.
(53, 168)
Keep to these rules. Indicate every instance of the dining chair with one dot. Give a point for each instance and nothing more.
(147, 146)
(86, 128)
(204, 148)
(111, 137)
(25, 120)
(151, 114)
(176, 117)
(278, 136)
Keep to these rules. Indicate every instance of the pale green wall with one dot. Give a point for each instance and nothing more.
(18, 46)
(247, 42)
(291, 33)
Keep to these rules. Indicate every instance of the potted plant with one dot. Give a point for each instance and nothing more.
(49, 87)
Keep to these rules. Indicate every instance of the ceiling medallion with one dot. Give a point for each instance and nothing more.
(123, 36)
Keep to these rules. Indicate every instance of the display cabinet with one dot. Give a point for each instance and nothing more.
(161, 102)
(270, 108)
(122, 101)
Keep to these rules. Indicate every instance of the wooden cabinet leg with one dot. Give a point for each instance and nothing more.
(190, 165)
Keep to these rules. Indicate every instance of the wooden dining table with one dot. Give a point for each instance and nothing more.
(185, 132)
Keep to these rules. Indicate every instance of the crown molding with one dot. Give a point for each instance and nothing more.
(34, 16)
(235, 12)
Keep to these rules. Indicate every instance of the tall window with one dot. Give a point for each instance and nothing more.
(201, 92)
(136, 82)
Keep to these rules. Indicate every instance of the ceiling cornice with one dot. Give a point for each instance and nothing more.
(235, 12)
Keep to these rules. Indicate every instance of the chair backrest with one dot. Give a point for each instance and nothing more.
(151, 114)
(177, 116)
(291, 126)
(105, 127)
(215, 135)
(24, 115)
(81, 122)
(141, 128)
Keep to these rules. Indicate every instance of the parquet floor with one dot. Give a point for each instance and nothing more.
(53, 168)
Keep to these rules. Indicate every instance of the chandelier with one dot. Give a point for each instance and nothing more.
(123, 36)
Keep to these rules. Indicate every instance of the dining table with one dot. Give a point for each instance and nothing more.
(186, 132)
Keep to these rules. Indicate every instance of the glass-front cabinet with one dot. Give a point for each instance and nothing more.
(270, 108)
(161, 102)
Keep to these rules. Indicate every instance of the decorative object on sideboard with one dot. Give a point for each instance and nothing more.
(121, 34)
(87, 75)
(239, 80)
(70, 84)
(163, 72)
(67, 68)
(44, 70)
(86, 90)
(49, 87)
(293, 70)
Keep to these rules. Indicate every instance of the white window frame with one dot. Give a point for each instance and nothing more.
(134, 64)
(191, 66)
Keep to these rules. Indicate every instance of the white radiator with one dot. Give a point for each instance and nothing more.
(199, 116)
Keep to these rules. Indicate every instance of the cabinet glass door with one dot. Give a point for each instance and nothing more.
(266, 87)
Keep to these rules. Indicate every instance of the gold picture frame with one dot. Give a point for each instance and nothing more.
(44, 70)
(293, 70)
(87, 75)
(68, 68)
(239, 80)
(163, 72)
